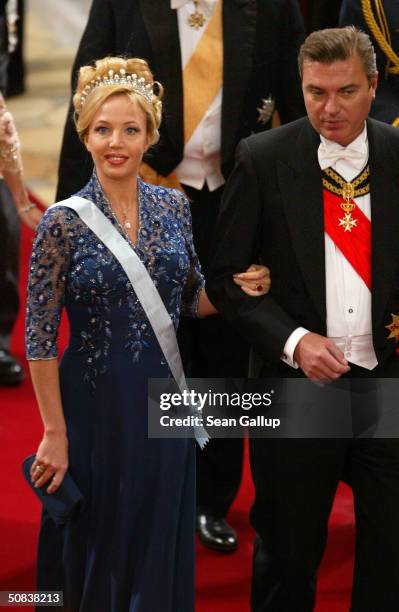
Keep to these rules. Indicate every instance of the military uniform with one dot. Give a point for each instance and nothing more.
(380, 20)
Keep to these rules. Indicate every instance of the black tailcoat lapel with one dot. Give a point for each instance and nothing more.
(300, 183)
(384, 193)
(239, 29)
(162, 27)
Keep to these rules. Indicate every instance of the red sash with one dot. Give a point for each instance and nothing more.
(351, 234)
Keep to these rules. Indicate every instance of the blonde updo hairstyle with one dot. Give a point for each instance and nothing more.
(84, 114)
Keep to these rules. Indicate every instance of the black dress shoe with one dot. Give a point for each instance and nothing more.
(216, 533)
(11, 372)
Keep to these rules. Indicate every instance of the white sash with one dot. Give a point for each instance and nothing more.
(143, 286)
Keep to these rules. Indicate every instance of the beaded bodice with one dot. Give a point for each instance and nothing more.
(70, 266)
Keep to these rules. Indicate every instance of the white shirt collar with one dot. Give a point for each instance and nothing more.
(176, 4)
(357, 144)
(355, 153)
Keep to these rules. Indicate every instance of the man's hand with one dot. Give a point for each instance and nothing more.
(319, 358)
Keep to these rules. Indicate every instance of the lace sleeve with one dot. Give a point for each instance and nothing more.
(10, 154)
(195, 279)
(46, 285)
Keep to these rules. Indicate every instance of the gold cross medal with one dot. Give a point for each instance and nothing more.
(197, 19)
(393, 328)
(347, 221)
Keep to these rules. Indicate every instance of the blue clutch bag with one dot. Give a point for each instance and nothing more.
(61, 505)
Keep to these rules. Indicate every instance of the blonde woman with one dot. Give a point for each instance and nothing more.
(131, 547)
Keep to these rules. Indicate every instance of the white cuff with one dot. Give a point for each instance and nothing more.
(290, 346)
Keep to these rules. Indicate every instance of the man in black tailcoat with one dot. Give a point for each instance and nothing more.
(317, 201)
(259, 47)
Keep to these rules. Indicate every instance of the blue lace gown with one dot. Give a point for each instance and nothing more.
(132, 547)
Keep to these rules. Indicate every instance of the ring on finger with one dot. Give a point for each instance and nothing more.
(39, 468)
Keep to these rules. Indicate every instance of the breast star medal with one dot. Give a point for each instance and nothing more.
(393, 328)
(196, 19)
(266, 110)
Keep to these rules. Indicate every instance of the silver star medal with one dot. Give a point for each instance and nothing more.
(266, 110)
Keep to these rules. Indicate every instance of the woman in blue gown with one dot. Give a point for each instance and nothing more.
(131, 547)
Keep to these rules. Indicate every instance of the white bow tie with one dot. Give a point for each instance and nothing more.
(354, 155)
(176, 4)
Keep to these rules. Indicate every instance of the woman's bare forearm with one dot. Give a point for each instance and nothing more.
(15, 184)
(51, 462)
(45, 378)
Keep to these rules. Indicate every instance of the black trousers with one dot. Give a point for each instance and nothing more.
(16, 64)
(9, 261)
(296, 481)
(211, 348)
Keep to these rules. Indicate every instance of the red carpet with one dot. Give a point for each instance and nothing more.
(223, 582)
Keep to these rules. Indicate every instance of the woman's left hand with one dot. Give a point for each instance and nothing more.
(255, 281)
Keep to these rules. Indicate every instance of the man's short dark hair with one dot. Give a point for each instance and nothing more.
(333, 44)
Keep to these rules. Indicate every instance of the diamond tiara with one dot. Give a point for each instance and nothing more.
(132, 81)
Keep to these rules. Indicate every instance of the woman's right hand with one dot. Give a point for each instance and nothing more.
(51, 461)
(255, 281)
